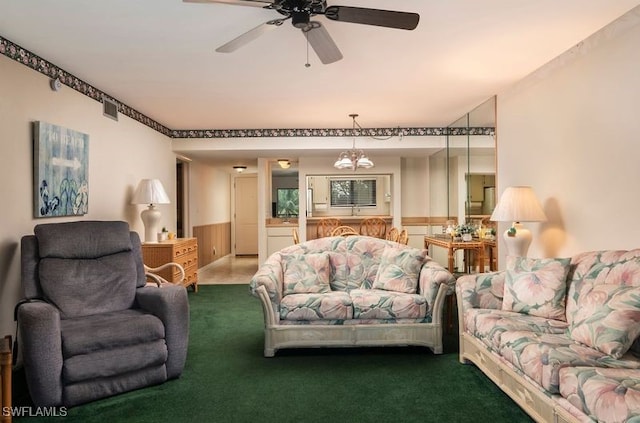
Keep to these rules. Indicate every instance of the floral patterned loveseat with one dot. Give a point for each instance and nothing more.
(351, 291)
(558, 335)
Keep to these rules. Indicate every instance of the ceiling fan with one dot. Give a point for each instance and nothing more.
(300, 13)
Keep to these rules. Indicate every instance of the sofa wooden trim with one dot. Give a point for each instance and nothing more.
(277, 336)
(540, 406)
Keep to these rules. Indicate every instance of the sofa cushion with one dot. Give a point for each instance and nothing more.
(608, 319)
(363, 259)
(489, 325)
(399, 269)
(597, 267)
(315, 306)
(114, 362)
(109, 330)
(387, 305)
(536, 286)
(541, 356)
(606, 395)
(306, 273)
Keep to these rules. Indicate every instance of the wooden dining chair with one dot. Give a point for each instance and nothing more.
(373, 226)
(403, 237)
(392, 235)
(326, 225)
(344, 231)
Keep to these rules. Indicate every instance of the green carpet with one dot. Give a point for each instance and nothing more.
(226, 379)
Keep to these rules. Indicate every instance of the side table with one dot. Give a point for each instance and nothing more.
(183, 251)
(452, 246)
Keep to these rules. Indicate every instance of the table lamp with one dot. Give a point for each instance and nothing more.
(151, 192)
(518, 204)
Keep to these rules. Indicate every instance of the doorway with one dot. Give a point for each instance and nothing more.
(182, 198)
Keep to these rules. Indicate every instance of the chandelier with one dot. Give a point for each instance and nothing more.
(353, 158)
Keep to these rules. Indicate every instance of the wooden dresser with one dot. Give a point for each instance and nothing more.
(183, 251)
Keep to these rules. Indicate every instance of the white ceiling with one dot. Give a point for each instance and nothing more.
(158, 57)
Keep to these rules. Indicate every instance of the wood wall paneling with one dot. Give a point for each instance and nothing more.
(214, 242)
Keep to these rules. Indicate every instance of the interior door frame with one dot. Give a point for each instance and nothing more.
(183, 222)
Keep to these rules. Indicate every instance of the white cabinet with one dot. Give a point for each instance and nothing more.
(279, 237)
(320, 187)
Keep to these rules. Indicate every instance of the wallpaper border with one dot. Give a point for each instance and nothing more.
(43, 66)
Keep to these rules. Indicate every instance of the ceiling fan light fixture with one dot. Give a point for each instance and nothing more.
(300, 19)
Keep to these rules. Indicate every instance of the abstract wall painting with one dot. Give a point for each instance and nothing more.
(60, 171)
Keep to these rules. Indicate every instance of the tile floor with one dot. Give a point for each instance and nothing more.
(228, 270)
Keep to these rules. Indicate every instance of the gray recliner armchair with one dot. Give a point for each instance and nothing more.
(89, 326)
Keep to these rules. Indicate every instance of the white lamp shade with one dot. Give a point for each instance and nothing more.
(518, 204)
(150, 191)
(364, 162)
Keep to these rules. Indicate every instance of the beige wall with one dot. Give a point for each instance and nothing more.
(571, 131)
(120, 154)
(210, 194)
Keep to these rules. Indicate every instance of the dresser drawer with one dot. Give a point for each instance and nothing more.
(183, 251)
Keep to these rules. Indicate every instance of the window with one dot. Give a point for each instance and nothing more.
(353, 192)
(287, 202)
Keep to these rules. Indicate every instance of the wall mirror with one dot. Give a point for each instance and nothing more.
(463, 173)
(285, 198)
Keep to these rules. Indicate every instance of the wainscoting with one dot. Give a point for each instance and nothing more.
(214, 242)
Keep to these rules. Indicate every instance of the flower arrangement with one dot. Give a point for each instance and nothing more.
(464, 228)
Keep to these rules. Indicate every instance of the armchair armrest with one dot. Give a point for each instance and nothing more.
(432, 276)
(39, 334)
(150, 272)
(170, 304)
(269, 275)
(484, 290)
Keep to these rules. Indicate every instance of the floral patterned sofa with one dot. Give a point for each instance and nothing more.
(351, 291)
(557, 335)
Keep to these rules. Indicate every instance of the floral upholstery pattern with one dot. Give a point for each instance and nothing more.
(329, 306)
(363, 260)
(399, 269)
(481, 291)
(536, 286)
(349, 298)
(382, 304)
(587, 361)
(489, 325)
(306, 273)
(605, 395)
(541, 356)
(603, 308)
(609, 319)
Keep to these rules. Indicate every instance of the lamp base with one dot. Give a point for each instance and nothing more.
(517, 241)
(150, 218)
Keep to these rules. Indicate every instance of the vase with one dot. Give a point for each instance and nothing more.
(467, 237)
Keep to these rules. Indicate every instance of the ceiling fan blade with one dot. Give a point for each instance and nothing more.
(249, 36)
(361, 15)
(253, 3)
(322, 43)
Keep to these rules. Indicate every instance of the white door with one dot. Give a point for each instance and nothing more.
(246, 206)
